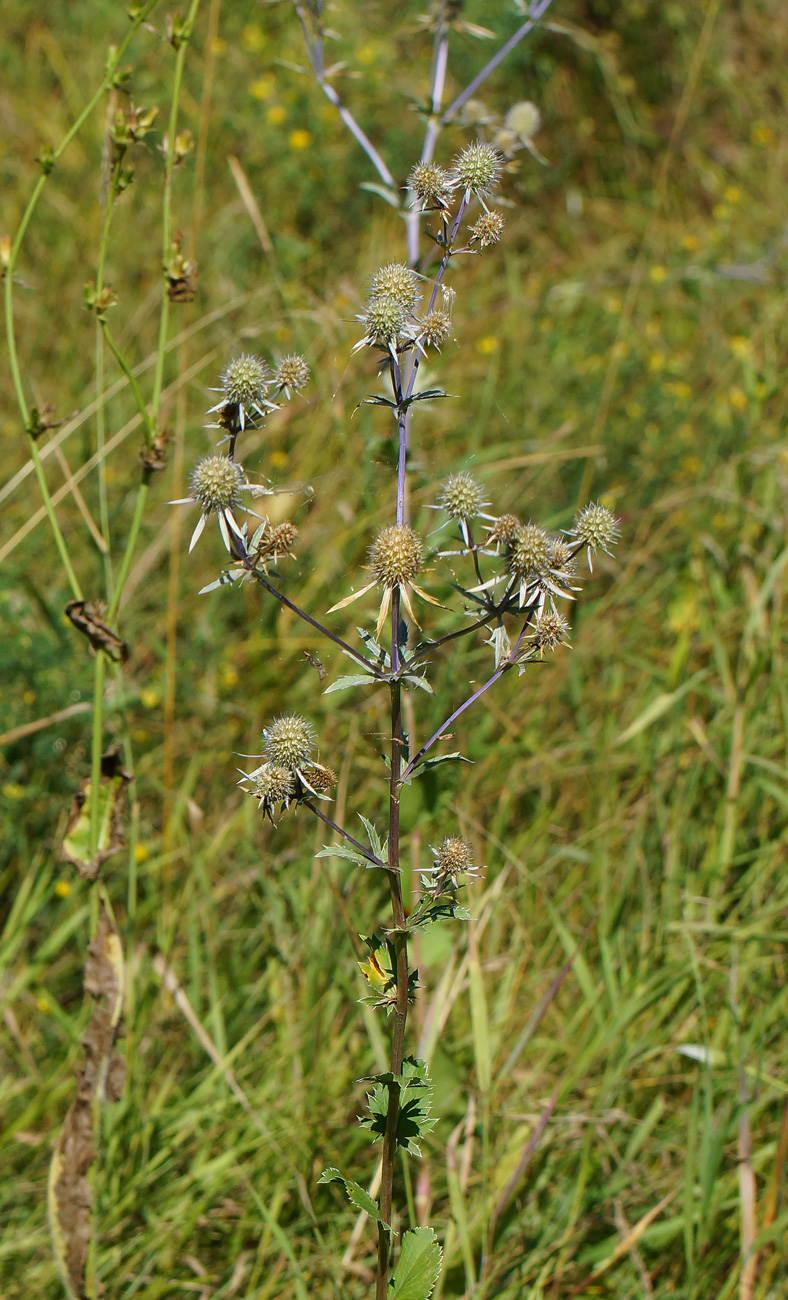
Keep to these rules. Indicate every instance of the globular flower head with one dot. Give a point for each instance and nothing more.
(288, 741)
(384, 322)
(596, 528)
(462, 497)
(487, 230)
(549, 630)
(452, 858)
(398, 281)
(322, 779)
(292, 374)
(395, 555)
(529, 551)
(434, 328)
(245, 380)
(503, 530)
(477, 169)
(431, 184)
(216, 482)
(273, 784)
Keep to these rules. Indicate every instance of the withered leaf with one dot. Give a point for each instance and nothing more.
(112, 798)
(87, 619)
(153, 457)
(70, 1195)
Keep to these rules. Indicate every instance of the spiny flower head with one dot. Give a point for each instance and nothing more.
(596, 528)
(245, 380)
(529, 551)
(384, 322)
(560, 554)
(273, 784)
(398, 281)
(292, 374)
(549, 630)
(322, 779)
(288, 741)
(477, 169)
(434, 328)
(216, 482)
(487, 230)
(431, 184)
(453, 855)
(461, 496)
(503, 530)
(395, 555)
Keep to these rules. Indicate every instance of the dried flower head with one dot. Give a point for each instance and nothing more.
(431, 185)
(549, 630)
(288, 741)
(434, 328)
(395, 558)
(396, 554)
(477, 169)
(452, 858)
(596, 528)
(322, 779)
(462, 497)
(244, 383)
(502, 531)
(270, 785)
(216, 484)
(384, 323)
(292, 374)
(487, 230)
(398, 281)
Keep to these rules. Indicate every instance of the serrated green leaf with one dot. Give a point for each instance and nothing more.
(380, 850)
(374, 650)
(225, 579)
(438, 759)
(418, 1266)
(343, 683)
(355, 1193)
(415, 1101)
(339, 851)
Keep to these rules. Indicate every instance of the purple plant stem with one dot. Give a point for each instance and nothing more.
(536, 12)
(356, 654)
(345, 834)
(499, 672)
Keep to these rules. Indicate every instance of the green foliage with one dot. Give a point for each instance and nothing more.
(414, 1118)
(418, 1267)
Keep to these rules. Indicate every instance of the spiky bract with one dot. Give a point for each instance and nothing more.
(398, 281)
(487, 230)
(477, 169)
(288, 741)
(216, 482)
(461, 496)
(395, 555)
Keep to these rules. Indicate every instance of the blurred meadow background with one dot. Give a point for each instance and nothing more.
(626, 342)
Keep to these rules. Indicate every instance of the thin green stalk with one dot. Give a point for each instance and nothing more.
(148, 425)
(128, 554)
(60, 541)
(100, 421)
(95, 749)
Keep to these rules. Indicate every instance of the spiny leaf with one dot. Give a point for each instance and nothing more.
(343, 683)
(418, 1267)
(339, 851)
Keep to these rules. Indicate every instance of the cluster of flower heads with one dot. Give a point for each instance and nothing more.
(391, 318)
(288, 774)
(539, 567)
(249, 391)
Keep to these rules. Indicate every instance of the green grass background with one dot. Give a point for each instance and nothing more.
(627, 338)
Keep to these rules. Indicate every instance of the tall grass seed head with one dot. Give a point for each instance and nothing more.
(461, 496)
(395, 555)
(432, 185)
(596, 528)
(398, 281)
(487, 230)
(477, 169)
(292, 374)
(288, 741)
